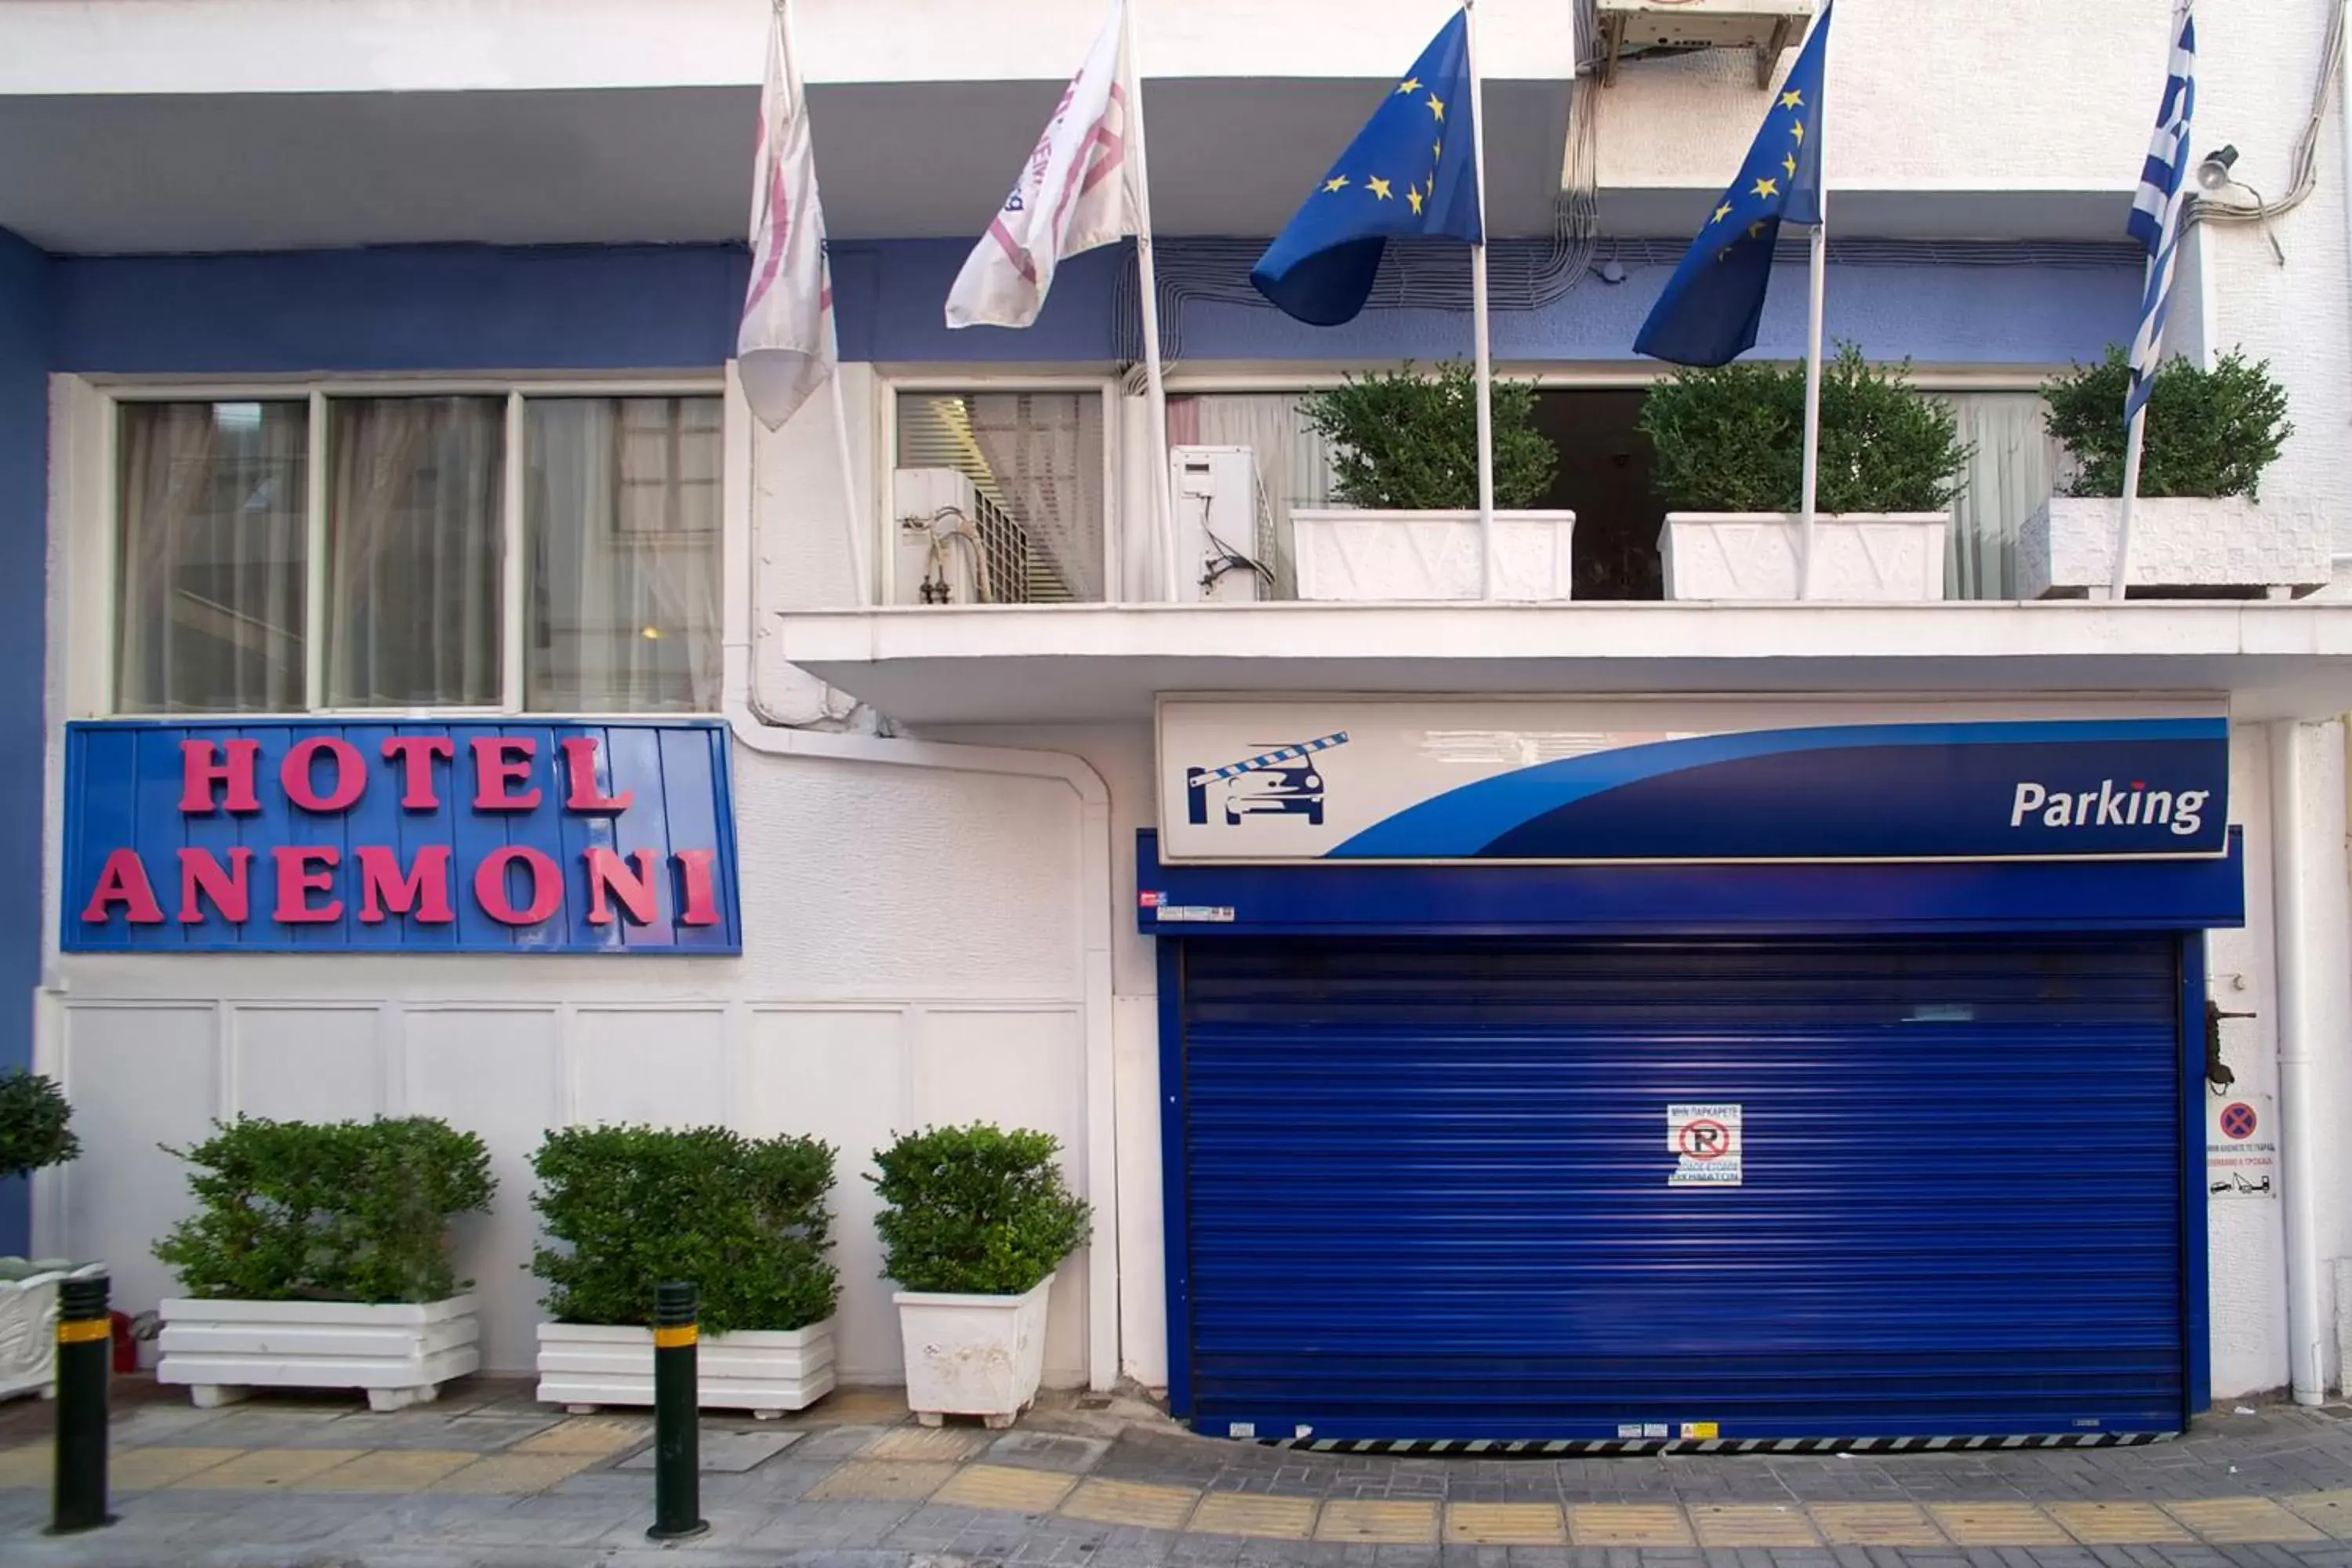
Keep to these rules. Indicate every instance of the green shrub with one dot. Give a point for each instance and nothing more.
(975, 1210)
(348, 1211)
(2209, 432)
(1732, 438)
(1410, 443)
(743, 1219)
(34, 1124)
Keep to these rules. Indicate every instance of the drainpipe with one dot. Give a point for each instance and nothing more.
(755, 728)
(2291, 955)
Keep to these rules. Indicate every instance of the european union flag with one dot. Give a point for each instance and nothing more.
(1411, 172)
(1708, 313)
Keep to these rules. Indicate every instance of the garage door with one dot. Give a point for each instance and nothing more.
(1428, 1191)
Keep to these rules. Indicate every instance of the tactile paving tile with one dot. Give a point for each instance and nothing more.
(261, 1469)
(945, 1445)
(1997, 1524)
(2331, 1511)
(1507, 1524)
(390, 1470)
(137, 1469)
(1752, 1524)
(1628, 1524)
(1130, 1502)
(1005, 1489)
(1254, 1514)
(1876, 1524)
(880, 1480)
(2242, 1522)
(2118, 1523)
(595, 1436)
(1378, 1521)
(505, 1475)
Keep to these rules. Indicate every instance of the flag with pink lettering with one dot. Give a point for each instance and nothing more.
(1076, 192)
(784, 347)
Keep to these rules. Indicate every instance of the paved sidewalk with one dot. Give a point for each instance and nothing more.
(489, 1476)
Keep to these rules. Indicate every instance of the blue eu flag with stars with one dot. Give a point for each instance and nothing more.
(1708, 313)
(1411, 172)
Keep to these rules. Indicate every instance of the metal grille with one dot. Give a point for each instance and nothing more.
(1426, 1197)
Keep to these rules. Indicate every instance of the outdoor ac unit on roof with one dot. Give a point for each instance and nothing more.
(1767, 26)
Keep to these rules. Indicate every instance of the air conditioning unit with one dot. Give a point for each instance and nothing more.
(1767, 26)
(935, 537)
(1217, 533)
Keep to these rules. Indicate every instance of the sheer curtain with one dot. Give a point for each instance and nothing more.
(2012, 473)
(1045, 452)
(215, 545)
(621, 516)
(414, 547)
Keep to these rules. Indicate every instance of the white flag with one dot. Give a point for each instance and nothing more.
(784, 348)
(1074, 195)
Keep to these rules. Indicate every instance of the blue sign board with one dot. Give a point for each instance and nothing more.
(388, 836)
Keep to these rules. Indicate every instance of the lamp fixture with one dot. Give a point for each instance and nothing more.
(2213, 173)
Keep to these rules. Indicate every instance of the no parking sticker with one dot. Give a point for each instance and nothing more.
(1705, 1144)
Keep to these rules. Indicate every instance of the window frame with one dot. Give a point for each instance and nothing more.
(315, 391)
(893, 384)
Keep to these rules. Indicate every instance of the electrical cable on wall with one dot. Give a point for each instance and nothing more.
(2303, 170)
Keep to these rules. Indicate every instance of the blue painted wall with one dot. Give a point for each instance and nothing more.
(455, 307)
(25, 279)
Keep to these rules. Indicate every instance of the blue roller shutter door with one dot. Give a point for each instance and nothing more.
(1426, 1193)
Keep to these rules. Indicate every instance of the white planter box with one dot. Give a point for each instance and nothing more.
(2067, 549)
(2343, 1323)
(1375, 557)
(972, 1355)
(1871, 558)
(765, 1372)
(401, 1352)
(28, 1323)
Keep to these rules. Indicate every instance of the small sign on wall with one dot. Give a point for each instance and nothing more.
(2241, 1145)
(1706, 1143)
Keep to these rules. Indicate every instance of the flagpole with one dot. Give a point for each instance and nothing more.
(2131, 493)
(860, 543)
(1163, 514)
(1488, 574)
(1816, 288)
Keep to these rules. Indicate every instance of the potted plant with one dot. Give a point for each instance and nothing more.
(1730, 462)
(743, 1219)
(975, 1221)
(35, 1132)
(1405, 450)
(2199, 522)
(319, 1257)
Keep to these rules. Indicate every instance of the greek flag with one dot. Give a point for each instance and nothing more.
(2155, 210)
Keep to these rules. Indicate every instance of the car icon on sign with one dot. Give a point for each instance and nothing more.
(1293, 791)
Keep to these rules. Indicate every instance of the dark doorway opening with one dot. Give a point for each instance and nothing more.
(1604, 478)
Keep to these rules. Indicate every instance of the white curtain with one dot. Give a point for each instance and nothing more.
(214, 498)
(1045, 452)
(622, 515)
(2012, 474)
(415, 547)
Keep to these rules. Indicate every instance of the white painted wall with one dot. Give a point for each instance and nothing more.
(930, 976)
(918, 943)
(370, 45)
(2004, 95)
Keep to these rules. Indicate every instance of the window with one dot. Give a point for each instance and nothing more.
(423, 553)
(214, 548)
(621, 516)
(1035, 463)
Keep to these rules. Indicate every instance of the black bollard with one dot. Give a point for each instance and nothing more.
(678, 1459)
(85, 1362)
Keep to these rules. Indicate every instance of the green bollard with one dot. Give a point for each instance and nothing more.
(85, 1362)
(678, 1460)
